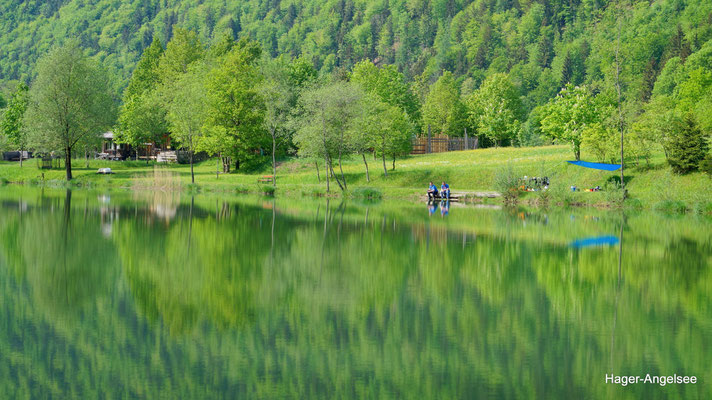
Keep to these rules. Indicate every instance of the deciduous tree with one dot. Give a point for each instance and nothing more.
(443, 109)
(142, 117)
(69, 102)
(237, 109)
(187, 111)
(11, 124)
(568, 114)
(496, 110)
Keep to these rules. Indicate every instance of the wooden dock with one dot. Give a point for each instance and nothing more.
(457, 197)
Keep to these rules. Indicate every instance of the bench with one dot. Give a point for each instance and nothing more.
(454, 197)
(266, 179)
(457, 197)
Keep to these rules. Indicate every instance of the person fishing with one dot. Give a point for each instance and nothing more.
(432, 191)
(445, 191)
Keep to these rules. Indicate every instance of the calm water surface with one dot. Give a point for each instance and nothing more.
(161, 296)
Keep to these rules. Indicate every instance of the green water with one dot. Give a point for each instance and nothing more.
(161, 296)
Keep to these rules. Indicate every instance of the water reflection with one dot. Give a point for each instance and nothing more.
(261, 297)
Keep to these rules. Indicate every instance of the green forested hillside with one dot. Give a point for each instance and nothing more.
(540, 43)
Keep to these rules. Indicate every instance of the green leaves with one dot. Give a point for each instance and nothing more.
(443, 110)
(143, 115)
(187, 108)
(11, 124)
(496, 110)
(236, 108)
(70, 102)
(566, 117)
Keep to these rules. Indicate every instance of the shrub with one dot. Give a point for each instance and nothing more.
(4, 181)
(507, 182)
(241, 189)
(192, 188)
(633, 204)
(703, 208)
(706, 165)
(687, 148)
(671, 206)
(313, 192)
(367, 193)
(561, 194)
(268, 190)
(613, 193)
(543, 196)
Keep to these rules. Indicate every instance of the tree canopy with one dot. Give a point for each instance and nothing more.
(69, 102)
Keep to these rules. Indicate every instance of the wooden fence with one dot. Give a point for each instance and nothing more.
(442, 143)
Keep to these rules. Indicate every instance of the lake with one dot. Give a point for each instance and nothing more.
(124, 295)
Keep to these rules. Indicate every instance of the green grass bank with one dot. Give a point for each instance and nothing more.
(650, 185)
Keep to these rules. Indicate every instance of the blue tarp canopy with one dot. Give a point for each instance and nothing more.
(595, 241)
(594, 165)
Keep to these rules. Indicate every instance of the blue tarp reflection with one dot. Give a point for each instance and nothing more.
(595, 241)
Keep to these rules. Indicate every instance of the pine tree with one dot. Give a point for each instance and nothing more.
(650, 74)
(567, 70)
(688, 148)
(545, 50)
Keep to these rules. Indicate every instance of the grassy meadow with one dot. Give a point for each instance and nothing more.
(650, 185)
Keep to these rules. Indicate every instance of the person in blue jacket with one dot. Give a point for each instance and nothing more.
(432, 191)
(445, 191)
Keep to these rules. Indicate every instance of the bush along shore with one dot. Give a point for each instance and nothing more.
(477, 175)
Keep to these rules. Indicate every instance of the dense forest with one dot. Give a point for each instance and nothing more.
(513, 72)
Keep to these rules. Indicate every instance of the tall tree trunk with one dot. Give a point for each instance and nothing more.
(217, 167)
(383, 151)
(577, 150)
(318, 178)
(341, 145)
(22, 153)
(326, 150)
(618, 89)
(394, 162)
(192, 175)
(368, 179)
(68, 162)
(331, 167)
(326, 167)
(274, 162)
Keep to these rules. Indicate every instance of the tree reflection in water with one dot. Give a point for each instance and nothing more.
(272, 298)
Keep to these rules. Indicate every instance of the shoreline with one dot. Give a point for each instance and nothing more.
(474, 173)
(410, 195)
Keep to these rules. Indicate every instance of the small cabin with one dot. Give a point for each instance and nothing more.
(111, 150)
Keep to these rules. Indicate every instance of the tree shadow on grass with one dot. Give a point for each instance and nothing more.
(616, 179)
